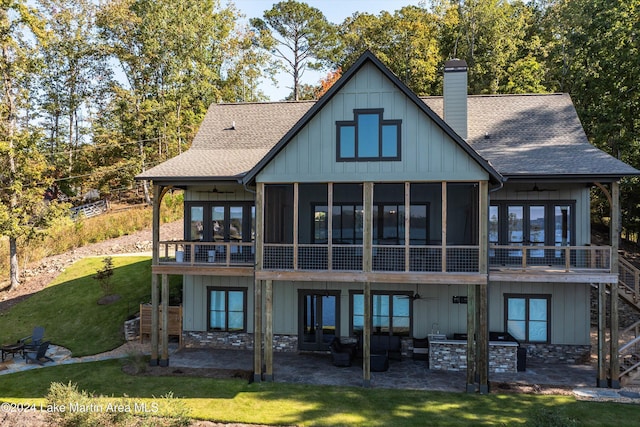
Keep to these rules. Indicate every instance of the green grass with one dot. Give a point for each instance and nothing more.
(68, 308)
(294, 404)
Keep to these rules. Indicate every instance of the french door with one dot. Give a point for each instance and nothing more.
(319, 318)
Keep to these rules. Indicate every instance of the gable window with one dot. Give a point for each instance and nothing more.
(368, 137)
(527, 317)
(227, 309)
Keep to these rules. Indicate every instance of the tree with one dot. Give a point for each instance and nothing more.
(23, 176)
(299, 37)
(406, 42)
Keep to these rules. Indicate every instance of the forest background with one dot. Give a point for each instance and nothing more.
(94, 92)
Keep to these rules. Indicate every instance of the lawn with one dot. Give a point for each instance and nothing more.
(68, 308)
(69, 311)
(294, 404)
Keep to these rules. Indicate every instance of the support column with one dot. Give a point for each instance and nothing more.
(471, 339)
(367, 252)
(601, 380)
(268, 333)
(257, 286)
(155, 308)
(155, 294)
(483, 290)
(164, 358)
(614, 361)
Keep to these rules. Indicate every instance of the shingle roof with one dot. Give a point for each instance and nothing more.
(231, 140)
(519, 135)
(534, 136)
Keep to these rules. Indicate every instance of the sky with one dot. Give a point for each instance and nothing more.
(335, 11)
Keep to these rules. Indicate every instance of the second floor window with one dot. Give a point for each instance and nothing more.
(368, 137)
(220, 221)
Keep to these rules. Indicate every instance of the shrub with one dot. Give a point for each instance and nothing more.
(103, 276)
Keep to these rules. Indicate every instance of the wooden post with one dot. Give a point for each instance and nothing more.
(601, 380)
(443, 255)
(367, 253)
(268, 333)
(614, 360)
(330, 226)
(257, 286)
(407, 226)
(155, 294)
(296, 199)
(471, 339)
(483, 304)
(164, 358)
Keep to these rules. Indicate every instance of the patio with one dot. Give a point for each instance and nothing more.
(316, 368)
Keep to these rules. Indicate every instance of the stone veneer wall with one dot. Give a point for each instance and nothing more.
(452, 356)
(558, 353)
(235, 341)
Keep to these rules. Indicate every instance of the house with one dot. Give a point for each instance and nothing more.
(374, 213)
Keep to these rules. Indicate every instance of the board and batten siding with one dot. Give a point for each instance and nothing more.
(570, 308)
(563, 192)
(195, 299)
(224, 194)
(427, 153)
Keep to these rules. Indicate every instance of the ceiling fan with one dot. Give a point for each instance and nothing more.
(215, 190)
(536, 189)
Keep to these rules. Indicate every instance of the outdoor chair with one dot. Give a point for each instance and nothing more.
(341, 354)
(39, 356)
(33, 341)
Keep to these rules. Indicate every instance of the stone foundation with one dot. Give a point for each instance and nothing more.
(558, 353)
(235, 341)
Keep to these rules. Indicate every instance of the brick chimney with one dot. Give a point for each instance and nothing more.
(455, 95)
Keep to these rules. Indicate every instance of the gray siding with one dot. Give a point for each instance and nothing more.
(231, 194)
(570, 309)
(428, 154)
(195, 299)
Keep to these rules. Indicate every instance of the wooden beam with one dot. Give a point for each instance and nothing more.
(443, 236)
(296, 201)
(614, 360)
(155, 294)
(601, 380)
(268, 333)
(257, 331)
(164, 358)
(471, 339)
(330, 226)
(515, 276)
(407, 226)
(483, 339)
(373, 277)
(367, 263)
(197, 270)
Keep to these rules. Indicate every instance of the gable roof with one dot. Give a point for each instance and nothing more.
(512, 136)
(369, 57)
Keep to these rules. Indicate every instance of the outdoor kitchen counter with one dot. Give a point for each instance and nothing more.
(451, 355)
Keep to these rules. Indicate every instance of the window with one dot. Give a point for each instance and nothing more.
(390, 313)
(227, 309)
(218, 222)
(527, 317)
(532, 224)
(368, 137)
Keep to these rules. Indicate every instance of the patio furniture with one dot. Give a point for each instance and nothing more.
(39, 356)
(33, 341)
(12, 349)
(342, 354)
(379, 361)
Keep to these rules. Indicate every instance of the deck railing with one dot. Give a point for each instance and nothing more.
(557, 258)
(384, 258)
(223, 254)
